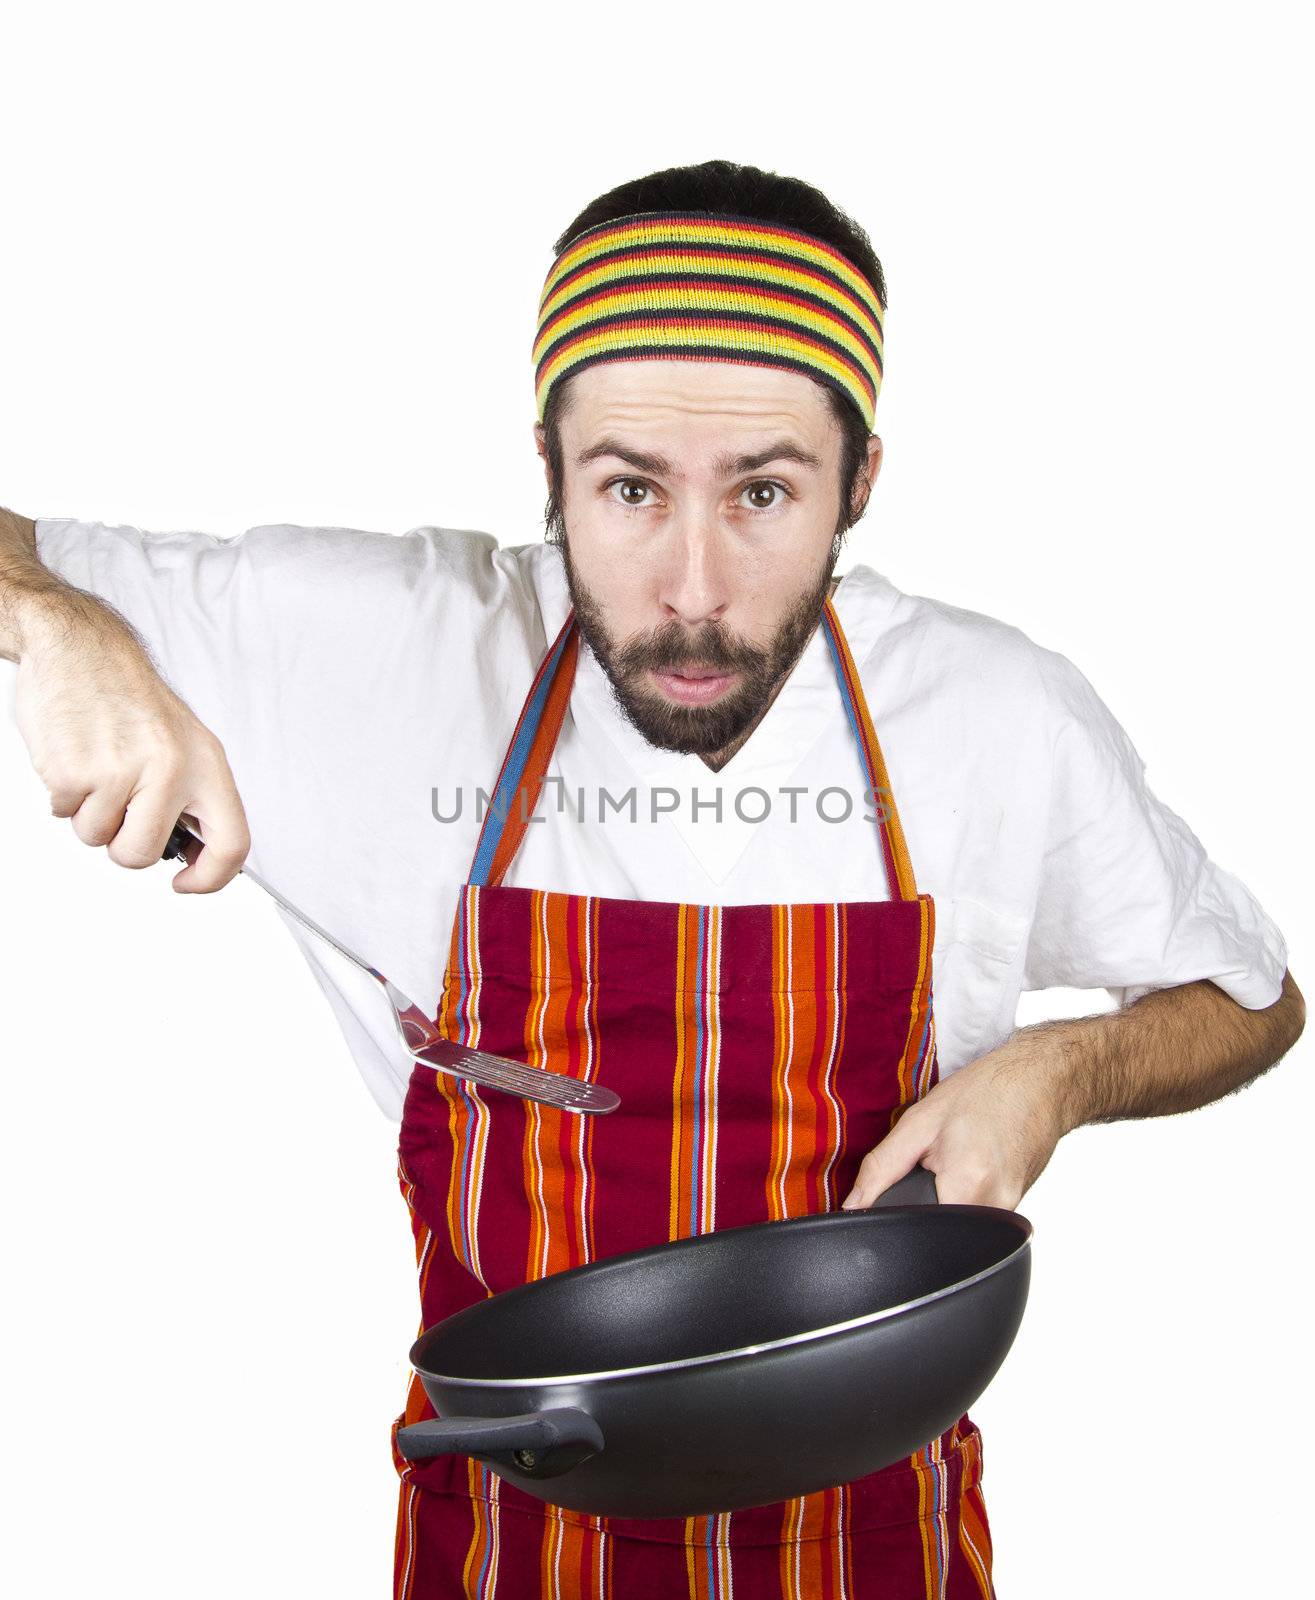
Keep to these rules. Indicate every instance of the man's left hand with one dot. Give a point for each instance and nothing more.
(987, 1131)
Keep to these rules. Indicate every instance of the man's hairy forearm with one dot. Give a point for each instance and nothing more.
(988, 1130)
(1173, 1050)
(121, 754)
(37, 605)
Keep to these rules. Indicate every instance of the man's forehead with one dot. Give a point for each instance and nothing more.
(730, 415)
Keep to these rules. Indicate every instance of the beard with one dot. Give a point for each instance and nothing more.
(697, 730)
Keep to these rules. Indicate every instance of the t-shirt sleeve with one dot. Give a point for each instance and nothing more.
(1128, 899)
(231, 623)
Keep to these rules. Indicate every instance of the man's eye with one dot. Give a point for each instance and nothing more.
(634, 494)
(626, 485)
(779, 493)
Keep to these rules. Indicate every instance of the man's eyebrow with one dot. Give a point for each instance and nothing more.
(726, 465)
(641, 459)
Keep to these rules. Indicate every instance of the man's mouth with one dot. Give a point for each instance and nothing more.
(693, 686)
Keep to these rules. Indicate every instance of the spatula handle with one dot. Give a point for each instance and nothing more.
(177, 840)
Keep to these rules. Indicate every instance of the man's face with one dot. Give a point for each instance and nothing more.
(702, 505)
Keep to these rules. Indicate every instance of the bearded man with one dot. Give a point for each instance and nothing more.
(713, 764)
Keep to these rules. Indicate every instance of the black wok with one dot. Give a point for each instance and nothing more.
(733, 1369)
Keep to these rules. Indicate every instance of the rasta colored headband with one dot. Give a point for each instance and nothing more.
(695, 286)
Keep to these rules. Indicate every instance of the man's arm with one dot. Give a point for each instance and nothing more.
(989, 1129)
(118, 750)
(19, 567)
(1172, 1050)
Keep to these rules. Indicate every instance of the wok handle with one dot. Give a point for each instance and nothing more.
(916, 1188)
(534, 1431)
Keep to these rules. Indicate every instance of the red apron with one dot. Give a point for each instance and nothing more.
(759, 1051)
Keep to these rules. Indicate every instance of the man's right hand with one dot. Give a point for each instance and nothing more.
(120, 753)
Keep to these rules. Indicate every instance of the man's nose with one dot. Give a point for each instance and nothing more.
(696, 572)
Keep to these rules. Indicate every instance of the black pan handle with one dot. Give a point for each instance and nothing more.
(529, 1436)
(916, 1188)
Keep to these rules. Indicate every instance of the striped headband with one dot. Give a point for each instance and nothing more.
(696, 286)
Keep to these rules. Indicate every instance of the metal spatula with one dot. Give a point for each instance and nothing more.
(422, 1039)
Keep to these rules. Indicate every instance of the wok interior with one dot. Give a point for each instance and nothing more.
(718, 1292)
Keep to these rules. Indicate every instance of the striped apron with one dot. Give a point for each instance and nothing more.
(759, 1051)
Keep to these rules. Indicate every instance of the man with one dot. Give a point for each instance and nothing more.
(733, 762)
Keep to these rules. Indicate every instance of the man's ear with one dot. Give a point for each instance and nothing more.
(541, 445)
(868, 478)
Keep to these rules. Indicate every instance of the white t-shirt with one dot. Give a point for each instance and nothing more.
(365, 686)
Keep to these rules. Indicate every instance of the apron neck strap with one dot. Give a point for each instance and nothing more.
(525, 765)
(520, 781)
(894, 850)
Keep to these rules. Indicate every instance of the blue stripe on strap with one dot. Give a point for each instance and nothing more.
(509, 784)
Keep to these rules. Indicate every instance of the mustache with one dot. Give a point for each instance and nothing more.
(671, 647)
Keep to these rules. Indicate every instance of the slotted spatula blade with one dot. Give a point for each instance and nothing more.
(421, 1037)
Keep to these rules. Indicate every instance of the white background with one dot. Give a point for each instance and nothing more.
(281, 263)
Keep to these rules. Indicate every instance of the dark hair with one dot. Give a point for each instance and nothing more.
(728, 188)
